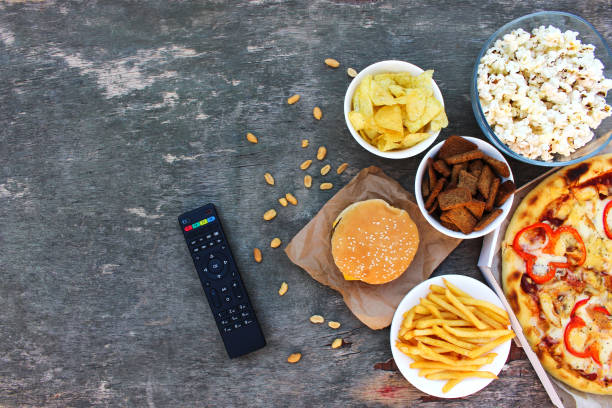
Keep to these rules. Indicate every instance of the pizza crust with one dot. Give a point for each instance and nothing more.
(524, 305)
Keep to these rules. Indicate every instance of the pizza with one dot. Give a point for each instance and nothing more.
(557, 273)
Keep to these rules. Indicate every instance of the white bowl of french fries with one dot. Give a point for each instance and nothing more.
(450, 336)
(394, 109)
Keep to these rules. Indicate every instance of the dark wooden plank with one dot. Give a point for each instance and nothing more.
(117, 116)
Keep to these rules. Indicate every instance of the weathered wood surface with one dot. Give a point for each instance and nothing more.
(117, 116)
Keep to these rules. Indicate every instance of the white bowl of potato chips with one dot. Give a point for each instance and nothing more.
(450, 336)
(394, 109)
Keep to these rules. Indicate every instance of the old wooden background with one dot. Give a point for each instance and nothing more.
(116, 116)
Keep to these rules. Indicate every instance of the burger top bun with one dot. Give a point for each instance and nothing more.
(373, 242)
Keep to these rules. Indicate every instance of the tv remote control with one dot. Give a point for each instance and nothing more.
(221, 281)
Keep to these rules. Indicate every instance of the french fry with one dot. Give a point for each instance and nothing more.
(425, 323)
(420, 309)
(488, 359)
(437, 289)
(505, 321)
(408, 322)
(444, 344)
(432, 355)
(450, 384)
(456, 375)
(426, 371)
(434, 311)
(478, 340)
(485, 304)
(456, 291)
(442, 366)
(494, 324)
(451, 339)
(465, 310)
(417, 332)
(444, 304)
(490, 346)
(468, 332)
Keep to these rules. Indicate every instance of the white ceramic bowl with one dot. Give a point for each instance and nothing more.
(422, 170)
(468, 386)
(380, 68)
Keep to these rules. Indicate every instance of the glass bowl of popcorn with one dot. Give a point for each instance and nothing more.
(540, 89)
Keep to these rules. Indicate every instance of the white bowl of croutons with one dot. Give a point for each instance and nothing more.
(464, 187)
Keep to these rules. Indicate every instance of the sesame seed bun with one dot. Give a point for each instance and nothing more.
(373, 242)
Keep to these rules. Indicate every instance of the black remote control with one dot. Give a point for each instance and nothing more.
(221, 281)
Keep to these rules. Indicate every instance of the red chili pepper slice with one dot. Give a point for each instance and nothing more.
(575, 322)
(605, 219)
(530, 258)
(553, 237)
(601, 309)
(577, 305)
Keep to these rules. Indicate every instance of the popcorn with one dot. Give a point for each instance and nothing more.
(543, 92)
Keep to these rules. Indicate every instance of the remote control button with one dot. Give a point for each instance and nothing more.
(247, 322)
(231, 311)
(221, 315)
(234, 318)
(215, 297)
(215, 266)
(236, 290)
(227, 330)
(211, 244)
(196, 249)
(207, 283)
(224, 322)
(193, 242)
(242, 307)
(228, 299)
(237, 325)
(216, 233)
(209, 236)
(223, 289)
(219, 240)
(244, 314)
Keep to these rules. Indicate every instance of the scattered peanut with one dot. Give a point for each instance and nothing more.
(305, 165)
(332, 63)
(304, 142)
(336, 343)
(316, 112)
(316, 319)
(307, 181)
(290, 197)
(293, 99)
(326, 186)
(283, 289)
(275, 243)
(294, 358)
(351, 72)
(251, 138)
(325, 169)
(283, 201)
(270, 214)
(341, 168)
(257, 255)
(333, 325)
(321, 152)
(269, 179)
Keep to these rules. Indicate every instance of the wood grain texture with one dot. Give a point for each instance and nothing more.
(115, 117)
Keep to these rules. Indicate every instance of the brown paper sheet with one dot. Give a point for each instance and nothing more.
(571, 397)
(374, 305)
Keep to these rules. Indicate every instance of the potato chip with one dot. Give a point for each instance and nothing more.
(380, 95)
(432, 108)
(390, 117)
(406, 80)
(412, 139)
(439, 122)
(396, 110)
(357, 120)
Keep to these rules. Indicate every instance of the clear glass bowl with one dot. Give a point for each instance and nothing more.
(587, 35)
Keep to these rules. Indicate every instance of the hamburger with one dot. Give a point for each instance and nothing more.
(373, 242)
